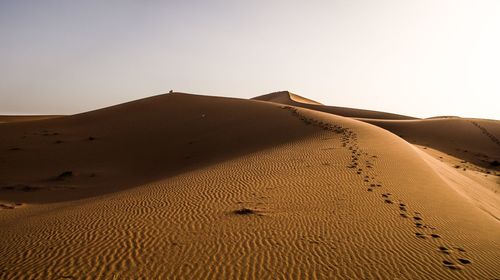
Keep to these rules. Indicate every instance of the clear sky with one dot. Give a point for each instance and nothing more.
(421, 58)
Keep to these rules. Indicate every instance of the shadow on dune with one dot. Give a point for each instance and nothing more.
(135, 143)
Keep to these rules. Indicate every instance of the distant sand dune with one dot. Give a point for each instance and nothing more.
(285, 97)
(473, 140)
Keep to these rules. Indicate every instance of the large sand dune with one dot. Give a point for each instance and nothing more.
(190, 187)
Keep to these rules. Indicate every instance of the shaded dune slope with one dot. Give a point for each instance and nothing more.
(133, 143)
(346, 200)
(285, 97)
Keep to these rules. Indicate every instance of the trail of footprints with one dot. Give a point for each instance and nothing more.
(486, 133)
(454, 257)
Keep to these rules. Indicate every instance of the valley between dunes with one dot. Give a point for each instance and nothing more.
(182, 186)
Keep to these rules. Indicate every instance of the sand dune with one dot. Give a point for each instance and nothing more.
(187, 187)
(285, 97)
(149, 139)
(473, 140)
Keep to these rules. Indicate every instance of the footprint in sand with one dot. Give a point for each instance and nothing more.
(445, 250)
(464, 261)
(420, 235)
(402, 207)
(460, 249)
(452, 265)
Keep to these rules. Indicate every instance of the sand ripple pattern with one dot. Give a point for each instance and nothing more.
(317, 210)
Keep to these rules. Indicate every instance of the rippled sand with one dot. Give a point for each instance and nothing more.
(187, 187)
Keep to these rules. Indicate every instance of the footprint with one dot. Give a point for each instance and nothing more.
(388, 201)
(420, 235)
(435, 235)
(451, 265)
(444, 250)
(417, 218)
(460, 249)
(464, 261)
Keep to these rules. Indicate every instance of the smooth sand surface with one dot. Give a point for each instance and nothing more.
(186, 187)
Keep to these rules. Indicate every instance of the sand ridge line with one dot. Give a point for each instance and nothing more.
(349, 140)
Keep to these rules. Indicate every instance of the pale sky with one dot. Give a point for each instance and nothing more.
(421, 58)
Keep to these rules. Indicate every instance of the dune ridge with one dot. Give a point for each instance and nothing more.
(285, 97)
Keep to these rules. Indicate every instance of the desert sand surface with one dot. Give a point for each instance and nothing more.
(182, 186)
(474, 140)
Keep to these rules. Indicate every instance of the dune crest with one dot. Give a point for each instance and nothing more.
(285, 97)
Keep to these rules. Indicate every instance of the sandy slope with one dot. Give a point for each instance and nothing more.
(474, 140)
(321, 197)
(470, 146)
(148, 140)
(285, 97)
